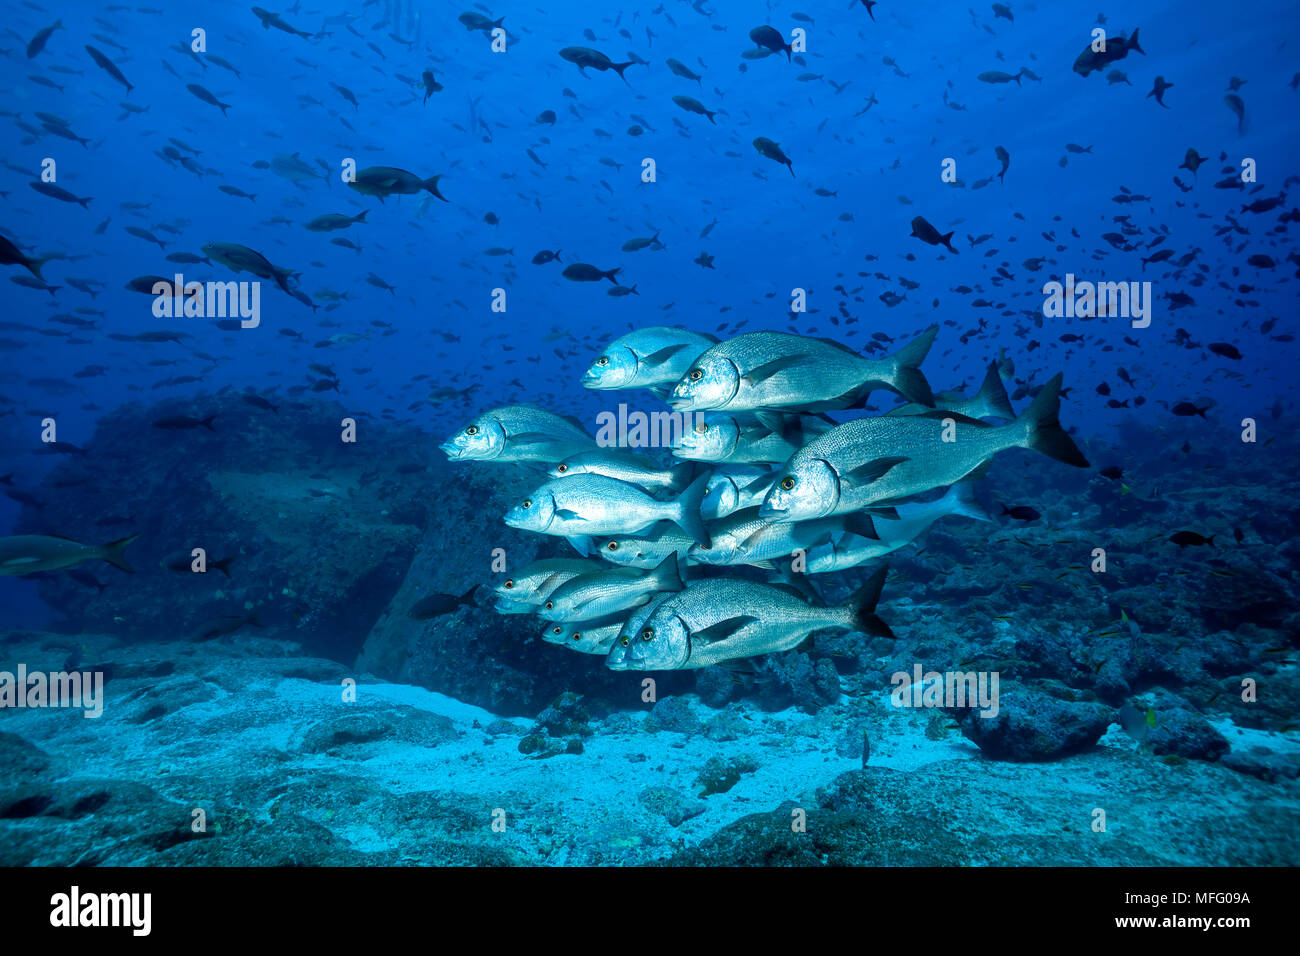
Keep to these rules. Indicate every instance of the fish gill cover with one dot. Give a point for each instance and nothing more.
(882, 385)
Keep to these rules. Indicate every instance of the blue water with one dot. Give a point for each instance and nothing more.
(770, 232)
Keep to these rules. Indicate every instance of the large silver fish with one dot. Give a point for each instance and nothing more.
(777, 370)
(519, 433)
(598, 505)
(723, 619)
(609, 592)
(650, 357)
(883, 460)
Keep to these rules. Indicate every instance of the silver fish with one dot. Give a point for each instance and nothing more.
(617, 659)
(913, 519)
(723, 619)
(607, 592)
(625, 466)
(597, 505)
(585, 637)
(645, 551)
(875, 461)
(532, 584)
(654, 356)
(746, 538)
(777, 370)
(733, 487)
(519, 433)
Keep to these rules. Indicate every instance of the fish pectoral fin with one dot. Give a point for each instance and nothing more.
(765, 371)
(568, 514)
(889, 512)
(723, 629)
(664, 354)
(870, 471)
(860, 523)
(774, 422)
(660, 392)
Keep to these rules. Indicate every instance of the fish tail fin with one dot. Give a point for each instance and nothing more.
(688, 503)
(788, 50)
(431, 184)
(85, 203)
(960, 500)
(682, 475)
(468, 596)
(1018, 76)
(1133, 43)
(1210, 540)
(992, 400)
(557, 255)
(620, 67)
(361, 216)
(113, 553)
(34, 267)
(790, 166)
(861, 606)
(667, 576)
(946, 239)
(224, 565)
(207, 423)
(1043, 431)
(909, 380)
(610, 275)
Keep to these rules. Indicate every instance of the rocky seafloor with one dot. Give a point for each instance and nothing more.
(257, 744)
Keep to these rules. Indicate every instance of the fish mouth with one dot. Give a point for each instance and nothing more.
(450, 450)
(591, 379)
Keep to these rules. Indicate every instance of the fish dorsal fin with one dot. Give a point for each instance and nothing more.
(940, 414)
(870, 471)
(723, 629)
(765, 371)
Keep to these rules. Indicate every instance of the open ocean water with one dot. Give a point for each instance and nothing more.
(701, 433)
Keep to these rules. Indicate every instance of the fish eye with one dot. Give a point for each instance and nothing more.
(557, 629)
(702, 428)
(528, 502)
(623, 641)
(472, 430)
(648, 634)
(561, 468)
(613, 546)
(603, 361)
(788, 482)
(510, 582)
(706, 547)
(550, 605)
(696, 374)
(577, 635)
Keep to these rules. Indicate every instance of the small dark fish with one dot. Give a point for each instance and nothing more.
(1190, 539)
(1224, 349)
(1114, 472)
(582, 272)
(922, 230)
(1021, 513)
(108, 67)
(436, 605)
(546, 256)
